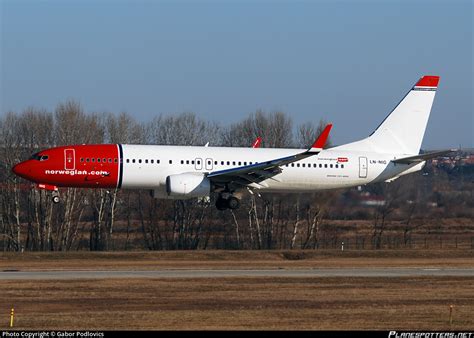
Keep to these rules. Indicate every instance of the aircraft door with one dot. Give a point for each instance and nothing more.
(198, 163)
(362, 167)
(208, 163)
(69, 159)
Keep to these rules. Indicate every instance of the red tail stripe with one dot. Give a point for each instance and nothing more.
(428, 81)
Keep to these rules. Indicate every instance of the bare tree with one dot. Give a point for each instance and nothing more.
(309, 131)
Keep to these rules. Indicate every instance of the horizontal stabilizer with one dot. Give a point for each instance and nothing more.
(422, 157)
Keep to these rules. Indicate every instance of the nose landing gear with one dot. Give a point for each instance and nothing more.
(54, 191)
(56, 198)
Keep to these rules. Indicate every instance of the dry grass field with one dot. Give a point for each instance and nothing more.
(214, 259)
(420, 303)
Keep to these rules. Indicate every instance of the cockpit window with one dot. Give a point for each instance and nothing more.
(39, 157)
(35, 157)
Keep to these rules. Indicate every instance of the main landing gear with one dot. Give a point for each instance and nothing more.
(227, 201)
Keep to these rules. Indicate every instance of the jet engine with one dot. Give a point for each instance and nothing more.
(188, 185)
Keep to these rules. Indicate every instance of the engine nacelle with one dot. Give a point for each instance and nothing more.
(188, 185)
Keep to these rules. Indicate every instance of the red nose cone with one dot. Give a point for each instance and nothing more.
(21, 169)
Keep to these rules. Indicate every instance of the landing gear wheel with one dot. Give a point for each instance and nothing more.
(233, 203)
(56, 199)
(221, 204)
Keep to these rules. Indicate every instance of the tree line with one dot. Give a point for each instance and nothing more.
(99, 219)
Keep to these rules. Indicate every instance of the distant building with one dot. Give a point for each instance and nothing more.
(368, 200)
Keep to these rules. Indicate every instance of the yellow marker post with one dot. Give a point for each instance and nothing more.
(12, 315)
(451, 314)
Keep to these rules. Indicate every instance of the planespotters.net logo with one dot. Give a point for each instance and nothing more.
(77, 172)
(395, 334)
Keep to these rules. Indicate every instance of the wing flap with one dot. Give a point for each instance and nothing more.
(254, 174)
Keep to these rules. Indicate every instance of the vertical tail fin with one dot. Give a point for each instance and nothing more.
(403, 129)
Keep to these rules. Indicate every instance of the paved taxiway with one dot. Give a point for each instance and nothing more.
(203, 273)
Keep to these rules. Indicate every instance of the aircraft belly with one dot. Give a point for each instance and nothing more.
(321, 181)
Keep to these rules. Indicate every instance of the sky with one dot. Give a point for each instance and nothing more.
(348, 62)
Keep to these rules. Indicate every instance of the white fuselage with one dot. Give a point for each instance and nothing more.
(148, 166)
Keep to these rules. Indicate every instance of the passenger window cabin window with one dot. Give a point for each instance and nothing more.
(133, 160)
(192, 162)
(325, 166)
(92, 159)
(233, 162)
(222, 162)
(82, 159)
(198, 162)
(330, 165)
(98, 160)
(245, 163)
(292, 164)
(152, 161)
(240, 163)
(115, 160)
(298, 165)
(187, 161)
(342, 165)
(209, 162)
(320, 165)
(128, 160)
(337, 165)
(140, 161)
(228, 162)
(215, 162)
(104, 160)
(110, 160)
(182, 161)
(87, 159)
(303, 165)
(146, 161)
(171, 161)
(157, 161)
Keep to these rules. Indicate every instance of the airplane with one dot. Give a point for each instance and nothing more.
(184, 172)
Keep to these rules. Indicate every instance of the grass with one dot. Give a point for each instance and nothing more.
(242, 303)
(150, 260)
(420, 303)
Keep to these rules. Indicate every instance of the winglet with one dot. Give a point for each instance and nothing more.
(257, 142)
(321, 140)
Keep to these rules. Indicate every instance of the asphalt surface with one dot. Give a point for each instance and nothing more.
(203, 273)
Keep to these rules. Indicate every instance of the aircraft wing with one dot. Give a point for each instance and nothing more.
(422, 157)
(252, 175)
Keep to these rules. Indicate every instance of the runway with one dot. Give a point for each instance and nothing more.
(217, 273)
